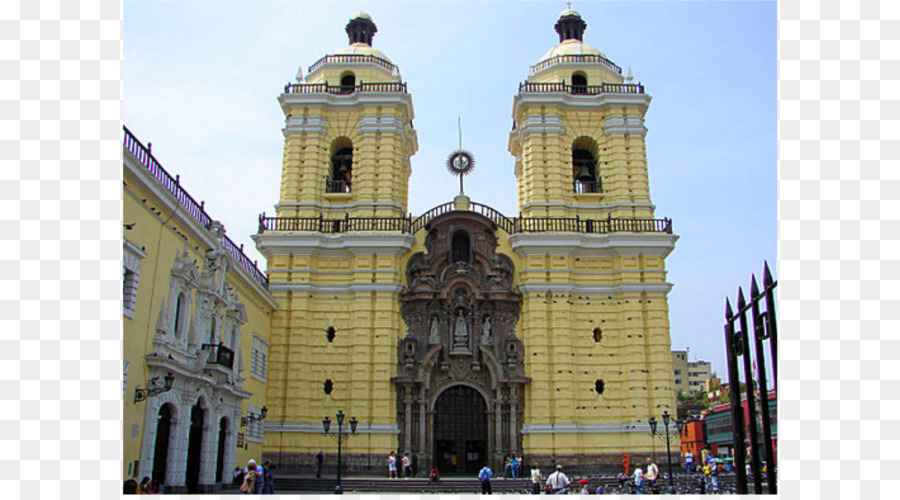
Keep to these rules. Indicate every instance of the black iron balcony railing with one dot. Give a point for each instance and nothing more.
(219, 355)
(196, 210)
(337, 186)
(575, 58)
(511, 225)
(586, 187)
(604, 88)
(324, 88)
(352, 58)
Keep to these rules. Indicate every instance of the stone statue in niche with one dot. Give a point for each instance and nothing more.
(434, 336)
(460, 330)
(486, 331)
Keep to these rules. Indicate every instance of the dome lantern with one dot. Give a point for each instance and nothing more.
(570, 26)
(361, 29)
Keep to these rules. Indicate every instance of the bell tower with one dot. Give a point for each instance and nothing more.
(590, 258)
(334, 251)
(348, 134)
(579, 134)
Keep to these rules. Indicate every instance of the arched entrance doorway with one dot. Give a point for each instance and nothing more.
(220, 452)
(161, 447)
(460, 431)
(195, 441)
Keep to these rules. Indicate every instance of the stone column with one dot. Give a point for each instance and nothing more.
(208, 448)
(407, 421)
(176, 461)
(498, 427)
(423, 443)
(513, 424)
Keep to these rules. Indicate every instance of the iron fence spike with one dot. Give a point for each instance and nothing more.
(754, 289)
(741, 301)
(767, 275)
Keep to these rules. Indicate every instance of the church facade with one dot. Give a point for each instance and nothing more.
(462, 335)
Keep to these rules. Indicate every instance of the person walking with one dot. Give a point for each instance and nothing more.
(688, 462)
(536, 480)
(407, 466)
(252, 478)
(392, 466)
(320, 459)
(639, 480)
(650, 476)
(585, 486)
(485, 476)
(558, 482)
(268, 487)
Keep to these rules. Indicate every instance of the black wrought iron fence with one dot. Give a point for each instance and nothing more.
(744, 353)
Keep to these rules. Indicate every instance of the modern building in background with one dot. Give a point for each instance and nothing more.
(720, 428)
(690, 377)
(462, 335)
(197, 316)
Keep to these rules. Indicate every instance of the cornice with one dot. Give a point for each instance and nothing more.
(612, 289)
(316, 428)
(355, 99)
(327, 245)
(593, 245)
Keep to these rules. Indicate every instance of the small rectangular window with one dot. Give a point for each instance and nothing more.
(131, 272)
(259, 359)
(255, 428)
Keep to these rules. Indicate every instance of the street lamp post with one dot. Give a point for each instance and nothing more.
(666, 417)
(326, 424)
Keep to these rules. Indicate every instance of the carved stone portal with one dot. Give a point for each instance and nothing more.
(461, 311)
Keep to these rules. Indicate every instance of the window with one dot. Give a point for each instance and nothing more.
(348, 82)
(131, 272)
(180, 314)
(579, 84)
(460, 247)
(259, 359)
(677, 372)
(255, 428)
(678, 381)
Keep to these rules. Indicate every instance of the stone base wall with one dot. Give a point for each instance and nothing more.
(360, 464)
(304, 464)
(601, 464)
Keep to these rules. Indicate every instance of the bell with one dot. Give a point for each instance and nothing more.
(584, 174)
(342, 170)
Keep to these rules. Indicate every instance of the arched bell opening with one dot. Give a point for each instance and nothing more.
(348, 83)
(341, 179)
(579, 83)
(584, 166)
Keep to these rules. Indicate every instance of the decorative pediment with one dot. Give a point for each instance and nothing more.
(185, 269)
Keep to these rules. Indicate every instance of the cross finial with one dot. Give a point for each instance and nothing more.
(569, 4)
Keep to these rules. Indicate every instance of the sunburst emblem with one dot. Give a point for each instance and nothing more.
(461, 162)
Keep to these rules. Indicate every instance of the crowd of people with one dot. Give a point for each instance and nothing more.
(256, 479)
(145, 487)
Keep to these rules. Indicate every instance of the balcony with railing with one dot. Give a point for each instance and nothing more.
(219, 355)
(352, 59)
(338, 186)
(196, 210)
(324, 88)
(575, 59)
(586, 187)
(512, 225)
(562, 88)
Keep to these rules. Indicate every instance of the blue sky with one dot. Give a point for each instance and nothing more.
(201, 79)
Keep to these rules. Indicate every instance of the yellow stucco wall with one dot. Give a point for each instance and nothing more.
(162, 237)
